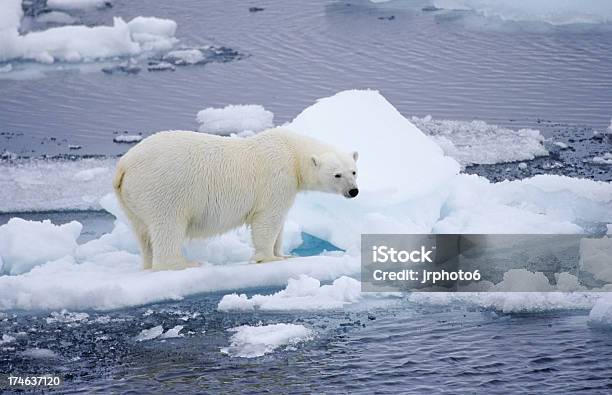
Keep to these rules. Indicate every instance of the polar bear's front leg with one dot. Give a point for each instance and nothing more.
(266, 228)
(278, 246)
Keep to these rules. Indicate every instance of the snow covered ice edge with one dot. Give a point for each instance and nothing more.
(407, 183)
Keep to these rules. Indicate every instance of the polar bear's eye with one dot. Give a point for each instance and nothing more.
(337, 175)
(354, 173)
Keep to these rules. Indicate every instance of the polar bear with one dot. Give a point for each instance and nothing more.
(176, 185)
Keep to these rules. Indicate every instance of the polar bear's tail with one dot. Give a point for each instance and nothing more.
(118, 180)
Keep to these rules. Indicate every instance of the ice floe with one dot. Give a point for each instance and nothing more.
(255, 341)
(407, 183)
(235, 119)
(82, 43)
(303, 293)
(478, 142)
(41, 185)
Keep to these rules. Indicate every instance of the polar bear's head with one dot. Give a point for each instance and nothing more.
(336, 173)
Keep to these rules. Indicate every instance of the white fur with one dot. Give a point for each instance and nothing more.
(177, 185)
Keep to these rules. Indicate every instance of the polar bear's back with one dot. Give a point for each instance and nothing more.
(213, 183)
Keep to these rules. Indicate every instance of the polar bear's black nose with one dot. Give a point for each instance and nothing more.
(353, 192)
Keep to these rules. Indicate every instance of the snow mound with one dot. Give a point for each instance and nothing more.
(478, 142)
(365, 121)
(82, 43)
(303, 293)
(235, 119)
(548, 11)
(26, 244)
(255, 341)
(394, 197)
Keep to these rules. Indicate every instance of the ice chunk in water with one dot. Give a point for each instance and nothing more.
(255, 341)
(150, 334)
(235, 119)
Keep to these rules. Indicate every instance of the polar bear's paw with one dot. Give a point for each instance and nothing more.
(266, 259)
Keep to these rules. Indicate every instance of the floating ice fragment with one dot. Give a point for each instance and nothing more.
(173, 332)
(184, 56)
(39, 353)
(303, 293)
(605, 159)
(150, 334)
(255, 341)
(60, 18)
(235, 119)
(128, 138)
(65, 316)
(6, 339)
(77, 4)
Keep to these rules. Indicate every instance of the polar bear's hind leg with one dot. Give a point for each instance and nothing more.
(166, 242)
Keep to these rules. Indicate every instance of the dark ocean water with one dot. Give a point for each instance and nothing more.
(424, 63)
(398, 348)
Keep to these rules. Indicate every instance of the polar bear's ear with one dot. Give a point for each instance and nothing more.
(315, 160)
(355, 155)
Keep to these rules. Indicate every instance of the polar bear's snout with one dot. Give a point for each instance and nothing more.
(353, 192)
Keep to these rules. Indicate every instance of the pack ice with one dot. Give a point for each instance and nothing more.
(407, 185)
